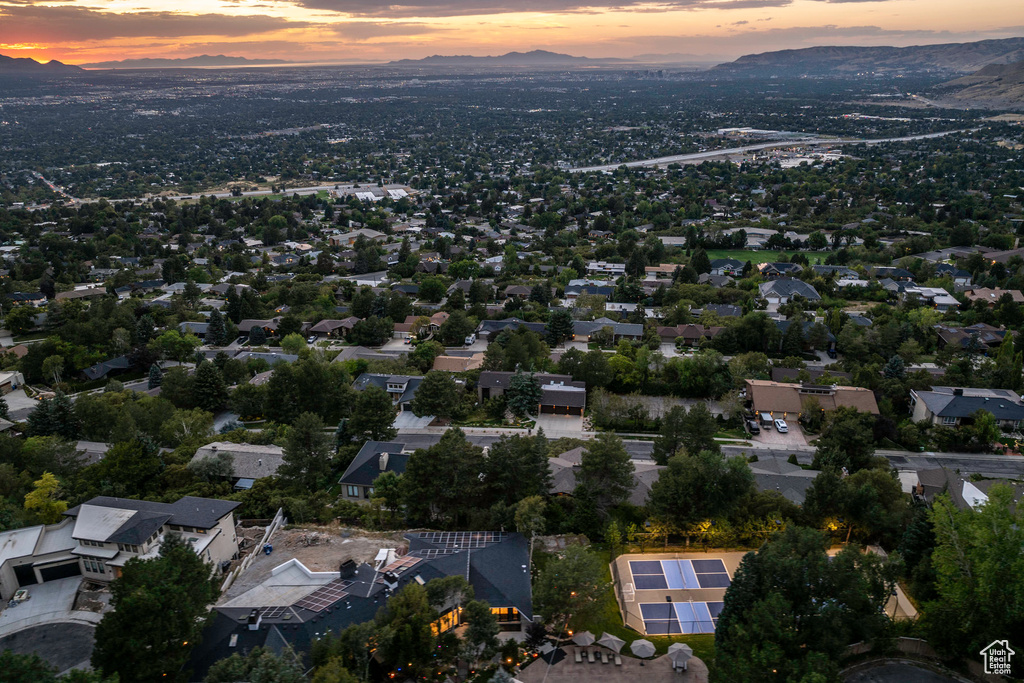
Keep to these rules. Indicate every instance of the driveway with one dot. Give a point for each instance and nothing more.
(770, 437)
(52, 601)
(408, 420)
(63, 646)
(396, 345)
(559, 426)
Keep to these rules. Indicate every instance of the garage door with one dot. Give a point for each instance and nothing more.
(25, 575)
(547, 409)
(60, 571)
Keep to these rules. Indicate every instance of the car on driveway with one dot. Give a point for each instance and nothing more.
(312, 339)
(753, 427)
(781, 426)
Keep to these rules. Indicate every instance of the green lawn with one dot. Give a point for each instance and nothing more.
(610, 620)
(756, 257)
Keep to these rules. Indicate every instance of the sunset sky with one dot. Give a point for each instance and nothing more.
(364, 30)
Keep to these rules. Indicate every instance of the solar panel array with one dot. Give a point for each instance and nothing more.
(401, 564)
(431, 553)
(325, 596)
(463, 539)
(673, 618)
(679, 574)
(274, 612)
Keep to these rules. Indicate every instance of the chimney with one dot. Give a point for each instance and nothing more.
(254, 620)
(213, 448)
(259, 462)
(384, 462)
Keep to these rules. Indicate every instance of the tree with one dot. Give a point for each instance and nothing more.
(293, 343)
(980, 572)
(517, 467)
(847, 440)
(178, 586)
(482, 630)
(441, 484)
(700, 430)
(560, 327)
(20, 320)
(55, 417)
(373, 415)
(572, 587)
(424, 354)
(895, 368)
(699, 487)
(130, 468)
(257, 336)
(216, 331)
(437, 395)
(43, 499)
(523, 395)
(605, 475)
(793, 339)
(259, 664)
(700, 261)
(209, 389)
(172, 344)
(155, 376)
(670, 435)
(307, 453)
(792, 611)
(373, 331)
(184, 424)
(53, 367)
(455, 329)
(213, 468)
(432, 289)
(530, 519)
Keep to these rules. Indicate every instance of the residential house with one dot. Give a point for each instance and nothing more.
(347, 239)
(663, 271)
(34, 299)
(992, 296)
(606, 268)
(577, 288)
(812, 375)
(716, 281)
(777, 270)
(334, 328)
(936, 297)
(197, 329)
(249, 462)
(101, 370)
(688, 335)
(492, 383)
(892, 273)
(964, 493)
(459, 363)
(785, 401)
(293, 606)
(727, 266)
(490, 329)
(956, 406)
(583, 330)
(98, 537)
(961, 278)
(400, 388)
(372, 460)
(269, 326)
(780, 475)
(783, 290)
(82, 293)
(980, 337)
(838, 272)
(10, 380)
(566, 466)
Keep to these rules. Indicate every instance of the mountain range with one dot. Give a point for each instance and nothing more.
(186, 62)
(533, 58)
(30, 67)
(951, 58)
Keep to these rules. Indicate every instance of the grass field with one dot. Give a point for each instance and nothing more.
(756, 257)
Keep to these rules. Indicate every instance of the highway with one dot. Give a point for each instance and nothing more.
(713, 154)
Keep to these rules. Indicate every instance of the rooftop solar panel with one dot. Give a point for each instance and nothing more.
(325, 596)
(645, 567)
(273, 612)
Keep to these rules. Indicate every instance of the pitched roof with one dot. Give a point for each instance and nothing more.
(787, 287)
(365, 467)
(778, 397)
(203, 513)
(944, 402)
(248, 461)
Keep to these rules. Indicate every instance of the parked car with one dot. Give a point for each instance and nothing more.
(312, 339)
(781, 426)
(753, 427)
(471, 339)
(832, 353)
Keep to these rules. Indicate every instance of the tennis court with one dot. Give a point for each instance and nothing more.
(673, 594)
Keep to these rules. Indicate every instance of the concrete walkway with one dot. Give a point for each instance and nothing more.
(51, 602)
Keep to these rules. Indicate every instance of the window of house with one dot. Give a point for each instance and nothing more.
(949, 420)
(353, 491)
(93, 565)
(200, 531)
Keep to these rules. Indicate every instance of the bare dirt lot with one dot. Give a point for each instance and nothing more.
(319, 548)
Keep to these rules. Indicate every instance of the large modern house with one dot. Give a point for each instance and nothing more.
(560, 395)
(401, 388)
(782, 290)
(294, 605)
(786, 401)
(98, 537)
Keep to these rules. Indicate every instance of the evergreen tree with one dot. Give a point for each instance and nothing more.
(209, 390)
(257, 336)
(307, 453)
(793, 340)
(233, 308)
(156, 377)
(700, 261)
(441, 484)
(523, 394)
(437, 395)
(895, 368)
(606, 473)
(4, 410)
(176, 588)
(560, 327)
(216, 333)
(373, 415)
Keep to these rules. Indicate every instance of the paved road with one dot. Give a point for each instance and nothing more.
(988, 465)
(807, 142)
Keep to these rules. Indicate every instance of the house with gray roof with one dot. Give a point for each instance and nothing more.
(727, 266)
(782, 476)
(372, 460)
(294, 606)
(582, 330)
(401, 388)
(783, 289)
(249, 462)
(955, 406)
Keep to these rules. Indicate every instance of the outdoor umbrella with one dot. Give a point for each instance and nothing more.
(642, 648)
(611, 642)
(680, 654)
(583, 638)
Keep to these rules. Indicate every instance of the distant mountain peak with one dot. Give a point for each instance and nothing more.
(27, 66)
